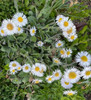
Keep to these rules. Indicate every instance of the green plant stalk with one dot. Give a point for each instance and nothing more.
(16, 6)
(16, 92)
(26, 56)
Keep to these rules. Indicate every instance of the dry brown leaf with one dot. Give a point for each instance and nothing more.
(71, 3)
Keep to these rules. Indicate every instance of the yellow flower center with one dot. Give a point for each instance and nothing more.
(56, 61)
(19, 68)
(59, 44)
(26, 68)
(62, 52)
(69, 31)
(39, 43)
(57, 74)
(72, 37)
(13, 70)
(2, 31)
(72, 75)
(14, 65)
(88, 73)
(33, 31)
(59, 19)
(19, 28)
(68, 52)
(67, 83)
(66, 23)
(37, 69)
(84, 58)
(20, 19)
(37, 82)
(70, 94)
(49, 79)
(10, 26)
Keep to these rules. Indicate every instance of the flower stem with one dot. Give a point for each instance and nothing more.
(16, 6)
(16, 92)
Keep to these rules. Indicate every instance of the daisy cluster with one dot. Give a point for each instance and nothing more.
(67, 26)
(14, 25)
(67, 78)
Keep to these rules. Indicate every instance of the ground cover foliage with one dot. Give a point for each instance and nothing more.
(23, 48)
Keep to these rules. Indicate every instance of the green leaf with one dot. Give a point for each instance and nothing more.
(16, 81)
(26, 2)
(84, 29)
(33, 39)
(64, 98)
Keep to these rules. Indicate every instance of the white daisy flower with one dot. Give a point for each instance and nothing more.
(13, 71)
(20, 19)
(66, 24)
(70, 92)
(57, 74)
(32, 31)
(26, 68)
(72, 37)
(56, 61)
(86, 73)
(2, 33)
(9, 27)
(36, 70)
(69, 31)
(14, 64)
(68, 52)
(19, 30)
(43, 68)
(83, 58)
(40, 43)
(72, 75)
(49, 79)
(60, 18)
(36, 81)
(59, 44)
(65, 84)
(63, 53)
(19, 67)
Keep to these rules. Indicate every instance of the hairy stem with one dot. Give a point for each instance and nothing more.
(16, 92)
(16, 6)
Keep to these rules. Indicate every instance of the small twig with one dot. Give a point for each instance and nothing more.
(68, 64)
(53, 37)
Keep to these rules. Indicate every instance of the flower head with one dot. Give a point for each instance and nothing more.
(57, 74)
(70, 92)
(14, 64)
(86, 73)
(72, 75)
(37, 81)
(65, 84)
(32, 31)
(26, 68)
(49, 79)
(36, 70)
(83, 58)
(40, 43)
(9, 27)
(20, 19)
(2, 32)
(59, 44)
